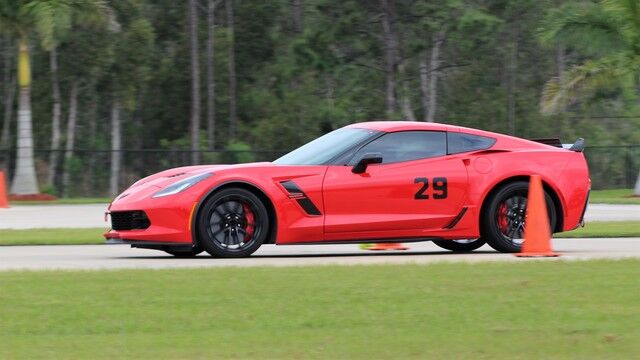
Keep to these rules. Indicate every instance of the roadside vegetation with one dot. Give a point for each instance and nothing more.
(526, 310)
(600, 229)
(52, 236)
(65, 201)
(170, 83)
(615, 196)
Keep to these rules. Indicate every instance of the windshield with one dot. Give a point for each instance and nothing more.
(323, 149)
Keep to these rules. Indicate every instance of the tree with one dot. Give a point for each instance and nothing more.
(8, 95)
(22, 18)
(390, 41)
(609, 31)
(17, 19)
(211, 85)
(127, 75)
(192, 13)
(233, 121)
(297, 9)
(55, 22)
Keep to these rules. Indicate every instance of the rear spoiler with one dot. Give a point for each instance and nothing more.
(577, 146)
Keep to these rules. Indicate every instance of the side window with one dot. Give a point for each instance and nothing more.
(406, 146)
(459, 142)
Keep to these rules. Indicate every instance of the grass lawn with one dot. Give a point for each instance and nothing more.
(532, 309)
(598, 229)
(616, 196)
(52, 236)
(65, 201)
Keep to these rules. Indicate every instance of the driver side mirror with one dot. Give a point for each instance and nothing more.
(370, 158)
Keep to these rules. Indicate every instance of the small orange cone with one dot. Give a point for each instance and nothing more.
(4, 201)
(537, 236)
(388, 246)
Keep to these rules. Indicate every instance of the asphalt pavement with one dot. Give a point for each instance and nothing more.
(92, 216)
(94, 257)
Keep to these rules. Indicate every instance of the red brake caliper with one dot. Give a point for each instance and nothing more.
(503, 224)
(250, 225)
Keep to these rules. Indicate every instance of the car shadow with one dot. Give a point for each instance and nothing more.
(315, 255)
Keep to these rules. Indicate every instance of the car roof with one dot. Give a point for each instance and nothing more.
(391, 126)
(504, 141)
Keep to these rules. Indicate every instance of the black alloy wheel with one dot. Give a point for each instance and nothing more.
(504, 218)
(232, 223)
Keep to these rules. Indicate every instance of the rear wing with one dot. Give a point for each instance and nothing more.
(577, 146)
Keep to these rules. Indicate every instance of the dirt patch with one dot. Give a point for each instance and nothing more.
(32, 197)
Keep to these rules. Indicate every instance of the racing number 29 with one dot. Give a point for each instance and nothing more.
(439, 188)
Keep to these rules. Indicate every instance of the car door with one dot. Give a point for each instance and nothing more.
(415, 188)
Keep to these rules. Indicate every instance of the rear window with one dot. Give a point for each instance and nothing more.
(460, 142)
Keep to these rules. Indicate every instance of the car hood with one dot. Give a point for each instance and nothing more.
(170, 176)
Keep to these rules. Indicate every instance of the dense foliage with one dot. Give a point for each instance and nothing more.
(304, 67)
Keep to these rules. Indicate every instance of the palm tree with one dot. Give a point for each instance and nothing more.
(608, 31)
(49, 19)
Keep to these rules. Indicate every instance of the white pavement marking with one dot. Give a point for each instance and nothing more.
(92, 216)
(87, 257)
(53, 216)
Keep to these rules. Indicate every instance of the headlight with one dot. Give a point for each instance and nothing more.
(181, 185)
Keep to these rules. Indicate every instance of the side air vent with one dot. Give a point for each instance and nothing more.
(457, 219)
(300, 197)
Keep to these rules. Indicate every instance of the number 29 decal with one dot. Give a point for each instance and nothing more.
(439, 186)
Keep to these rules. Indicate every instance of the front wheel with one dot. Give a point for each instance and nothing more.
(504, 217)
(232, 223)
(464, 245)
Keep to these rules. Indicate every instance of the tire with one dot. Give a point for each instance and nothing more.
(232, 223)
(184, 253)
(460, 245)
(502, 220)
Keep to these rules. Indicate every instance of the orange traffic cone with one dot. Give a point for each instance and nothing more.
(537, 236)
(388, 246)
(4, 201)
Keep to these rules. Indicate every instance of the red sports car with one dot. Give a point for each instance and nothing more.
(366, 182)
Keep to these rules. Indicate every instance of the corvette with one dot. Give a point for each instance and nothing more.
(383, 181)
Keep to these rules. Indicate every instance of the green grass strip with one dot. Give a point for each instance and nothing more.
(617, 196)
(526, 310)
(52, 236)
(65, 201)
(599, 229)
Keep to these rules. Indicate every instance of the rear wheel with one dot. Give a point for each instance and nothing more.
(465, 245)
(232, 223)
(503, 220)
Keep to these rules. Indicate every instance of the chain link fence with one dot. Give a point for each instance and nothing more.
(89, 170)
(613, 167)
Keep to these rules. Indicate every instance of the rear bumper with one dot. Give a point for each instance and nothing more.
(584, 209)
